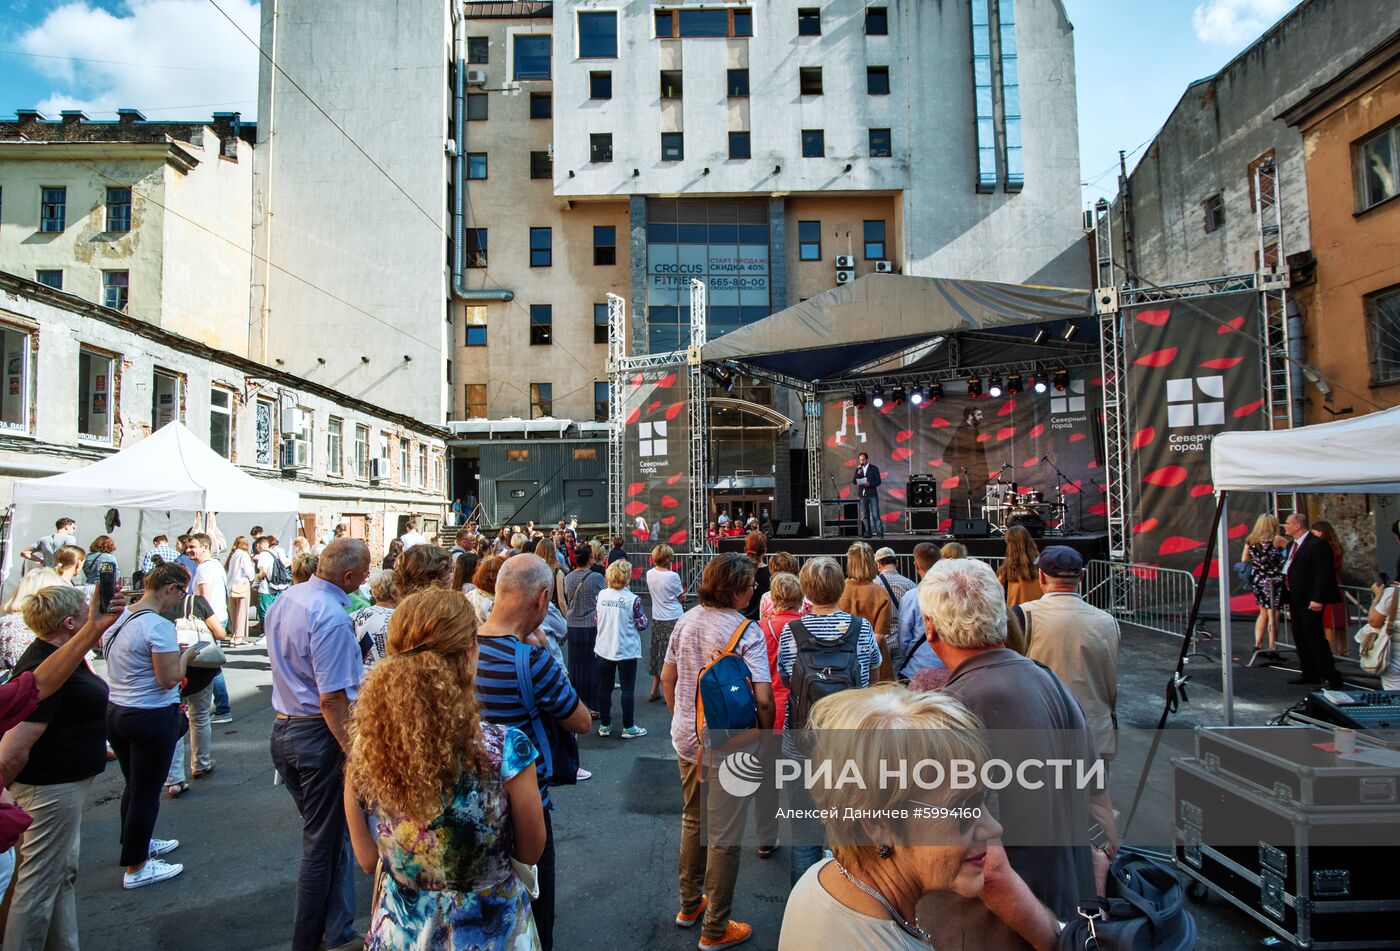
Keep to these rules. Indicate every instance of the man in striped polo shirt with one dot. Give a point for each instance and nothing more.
(523, 590)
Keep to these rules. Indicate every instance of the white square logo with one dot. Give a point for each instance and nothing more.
(1071, 402)
(652, 438)
(1183, 409)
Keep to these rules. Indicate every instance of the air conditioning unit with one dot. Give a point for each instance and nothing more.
(291, 421)
(450, 147)
(845, 262)
(379, 469)
(476, 77)
(845, 277)
(884, 267)
(296, 453)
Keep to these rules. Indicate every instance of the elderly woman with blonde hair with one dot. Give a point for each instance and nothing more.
(867, 896)
(862, 597)
(15, 635)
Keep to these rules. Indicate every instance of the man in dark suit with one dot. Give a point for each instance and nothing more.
(1311, 578)
(867, 483)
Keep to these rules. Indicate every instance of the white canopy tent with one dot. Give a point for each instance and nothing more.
(164, 480)
(1361, 454)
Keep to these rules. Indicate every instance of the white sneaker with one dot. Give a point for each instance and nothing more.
(153, 871)
(582, 774)
(161, 846)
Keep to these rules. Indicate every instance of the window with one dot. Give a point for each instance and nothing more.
(476, 166)
(165, 398)
(600, 85)
(809, 21)
(809, 80)
(541, 325)
(221, 421)
(597, 35)
(263, 415)
(476, 247)
(880, 144)
(877, 80)
(600, 403)
(600, 323)
(53, 209)
(420, 474)
(541, 400)
(361, 452)
(809, 240)
(604, 244)
(1213, 209)
(96, 388)
(476, 325)
(335, 452)
(874, 240)
(541, 247)
(813, 143)
(532, 56)
(665, 24)
(670, 84)
(119, 209)
(541, 165)
(739, 147)
(672, 146)
(476, 401)
(115, 287)
(584, 454)
(877, 21)
(541, 105)
(404, 464)
(600, 147)
(1383, 318)
(478, 50)
(704, 22)
(14, 394)
(517, 455)
(477, 109)
(743, 22)
(1379, 171)
(52, 279)
(738, 83)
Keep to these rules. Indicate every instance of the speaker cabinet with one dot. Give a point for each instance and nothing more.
(789, 530)
(971, 527)
(923, 522)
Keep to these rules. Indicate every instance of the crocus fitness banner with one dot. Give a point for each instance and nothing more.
(1194, 371)
(656, 456)
(963, 442)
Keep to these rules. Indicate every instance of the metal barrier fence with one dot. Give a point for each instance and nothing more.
(1158, 599)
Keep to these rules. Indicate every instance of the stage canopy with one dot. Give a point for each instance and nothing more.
(880, 315)
(1361, 454)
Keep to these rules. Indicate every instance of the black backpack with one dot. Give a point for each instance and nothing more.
(280, 578)
(821, 669)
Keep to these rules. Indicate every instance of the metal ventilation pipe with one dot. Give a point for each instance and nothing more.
(1297, 353)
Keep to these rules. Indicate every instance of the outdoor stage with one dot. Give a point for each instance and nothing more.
(1092, 547)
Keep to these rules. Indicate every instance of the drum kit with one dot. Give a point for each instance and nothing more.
(1005, 506)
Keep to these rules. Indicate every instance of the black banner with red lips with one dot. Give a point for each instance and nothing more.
(656, 458)
(1191, 376)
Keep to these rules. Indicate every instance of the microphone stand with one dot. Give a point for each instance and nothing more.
(1059, 490)
(983, 487)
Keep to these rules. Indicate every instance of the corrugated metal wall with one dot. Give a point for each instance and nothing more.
(553, 480)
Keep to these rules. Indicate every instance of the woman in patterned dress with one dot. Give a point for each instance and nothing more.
(441, 799)
(1265, 560)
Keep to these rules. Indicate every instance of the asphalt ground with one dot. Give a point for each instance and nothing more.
(616, 834)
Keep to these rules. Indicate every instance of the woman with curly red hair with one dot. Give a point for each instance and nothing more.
(450, 799)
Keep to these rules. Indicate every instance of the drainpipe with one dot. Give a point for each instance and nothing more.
(459, 176)
(1297, 352)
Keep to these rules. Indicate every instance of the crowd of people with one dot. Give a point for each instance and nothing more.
(426, 715)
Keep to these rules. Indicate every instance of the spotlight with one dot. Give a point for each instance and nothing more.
(858, 398)
(994, 388)
(1014, 384)
(1039, 383)
(974, 387)
(1061, 380)
(917, 396)
(1071, 331)
(1041, 335)
(899, 395)
(935, 393)
(878, 400)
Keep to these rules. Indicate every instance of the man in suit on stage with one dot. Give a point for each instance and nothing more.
(1311, 578)
(867, 483)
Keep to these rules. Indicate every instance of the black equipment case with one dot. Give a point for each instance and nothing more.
(1305, 843)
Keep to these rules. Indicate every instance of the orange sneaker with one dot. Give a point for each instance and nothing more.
(735, 933)
(688, 921)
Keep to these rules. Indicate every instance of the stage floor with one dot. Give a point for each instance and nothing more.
(1089, 546)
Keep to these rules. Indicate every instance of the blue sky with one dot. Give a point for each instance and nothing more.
(182, 59)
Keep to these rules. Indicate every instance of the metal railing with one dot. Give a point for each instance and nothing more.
(1158, 599)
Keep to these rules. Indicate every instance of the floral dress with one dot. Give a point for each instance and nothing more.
(1266, 573)
(451, 884)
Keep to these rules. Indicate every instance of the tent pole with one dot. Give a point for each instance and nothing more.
(1227, 666)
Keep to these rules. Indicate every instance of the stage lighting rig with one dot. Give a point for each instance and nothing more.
(1039, 383)
(1041, 335)
(899, 396)
(1071, 331)
(994, 387)
(1014, 384)
(1061, 380)
(935, 393)
(917, 396)
(974, 387)
(858, 399)
(878, 400)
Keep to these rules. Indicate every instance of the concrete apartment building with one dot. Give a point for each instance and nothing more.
(149, 218)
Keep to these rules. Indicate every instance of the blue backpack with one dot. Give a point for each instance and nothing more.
(724, 700)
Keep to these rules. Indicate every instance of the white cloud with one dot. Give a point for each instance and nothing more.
(168, 58)
(1236, 21)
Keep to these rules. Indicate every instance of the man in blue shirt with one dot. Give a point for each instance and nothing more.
(316, 670)
(523, 591)
(910, 625)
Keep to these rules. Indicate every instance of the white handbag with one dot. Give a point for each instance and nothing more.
(190, 630)
(1375, 642)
